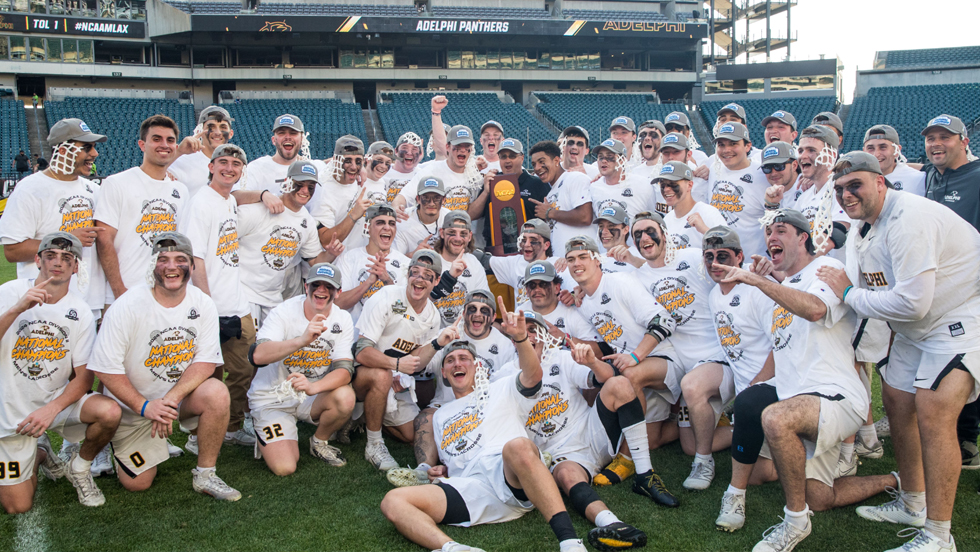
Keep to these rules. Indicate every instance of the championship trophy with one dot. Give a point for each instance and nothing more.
(507, 214)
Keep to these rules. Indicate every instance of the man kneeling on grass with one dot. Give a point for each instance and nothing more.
(492, 472)
(306, 343)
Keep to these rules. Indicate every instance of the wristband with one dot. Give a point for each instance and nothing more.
(260, 195)
(522, 340)
(397, 360)
(844, 297)
(435, 344)
(437, 114)
(142, 410)
(636, 360)
(770, 205)
(351, 217)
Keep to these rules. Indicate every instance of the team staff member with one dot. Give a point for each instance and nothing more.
(532, 189)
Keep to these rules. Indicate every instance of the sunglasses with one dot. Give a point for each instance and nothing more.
(778, 167)
(653, 134)
(675, 128)
(537, 284)
(722, 257)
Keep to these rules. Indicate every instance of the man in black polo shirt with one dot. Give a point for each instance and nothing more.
(22, 164)
(953, 179)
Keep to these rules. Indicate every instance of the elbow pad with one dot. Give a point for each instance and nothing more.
(343, 364)
(527, 391)
(660, 328)
(251, 352)
(444, 287)
(838, 235)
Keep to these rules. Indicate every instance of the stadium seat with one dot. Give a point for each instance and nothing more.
(933, 57)
(605, 15)
(13, 135)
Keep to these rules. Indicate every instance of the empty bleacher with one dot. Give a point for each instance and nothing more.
(931, 57)
(325, 120)
(119, 120)
(909, 109)
(411, 111)
(282, 8)
(605, 15)
(804, 109)
(13, 135)
(501, 13)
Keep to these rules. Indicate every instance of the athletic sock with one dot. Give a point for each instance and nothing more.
(940, 529)
(203, 471)
(561, 524)
(705, 459)
(448, 545)
(847, 451)
(915, 501)
(80, 464)
(374, 438)
(605, 518)
(636, 439)
(569, 544)
(735, 490)
(868, 434)
(797, 519)
(423, 467)
(318, 441)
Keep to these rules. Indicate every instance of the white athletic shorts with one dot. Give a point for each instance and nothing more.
(405, 411)
(872, 337)
(718, 404)
(136, 449)
(486, 493)
(909, 367)
(18, 453)
(659, 401)
(277, 421)
(592, 449)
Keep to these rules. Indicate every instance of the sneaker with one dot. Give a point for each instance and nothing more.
(54, 466)
(874, 451)
(330, 455)
(407, 477)
(924, 541)
(67, 448)
(88, 493)
(616, 472)
(173, 449)
(352, 426)
(102, 465)
(247, 426)
(651, 486)
(783, 537)
(894, 511)
(702, 473)
(845, 468)
(883, 428)
(457, 547)
(240, 437)
(579, 546)
(732, 515)
(971, 457)
(208, 482)
(191, 445)
(617, 536)
(379, 457)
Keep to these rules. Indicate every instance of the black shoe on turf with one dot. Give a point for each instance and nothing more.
(650, 485)
(617, 536)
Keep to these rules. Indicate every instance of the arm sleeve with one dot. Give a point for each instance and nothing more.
(503, 270)
(908, 301)
(836, 309)
(712, 217)
(576, 192)
(324, 214)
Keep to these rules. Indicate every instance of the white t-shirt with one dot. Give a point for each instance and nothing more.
(459, 193)
(510, 271)
(192, 171)
(411, 232)
(740, 196)
(557, 419)
(495, 350)
(683, 290)
(334, 203)
(570, 191)
(646, 173)
(817, 357)
(699, 157)
(211, 225)
(742, 320)
(153, 345)
(265, 174)
(139, 208)
(620, 315)
(40, 205)
(685, 235)
(269, 245)
(353, 267)
(634, 195)
(568, 320)
(809, 201)
(393, 325)
(591, 170)
(288, 321)
(40, 351)
(394, 181)
(907, 179)
(473, 277)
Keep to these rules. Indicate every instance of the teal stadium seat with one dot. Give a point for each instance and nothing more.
(13, 135)
(933, 57)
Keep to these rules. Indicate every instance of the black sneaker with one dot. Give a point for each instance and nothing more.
(650, 485)
(617, 536)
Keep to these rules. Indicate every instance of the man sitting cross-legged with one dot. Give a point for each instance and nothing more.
(492, 472)
(307, 341)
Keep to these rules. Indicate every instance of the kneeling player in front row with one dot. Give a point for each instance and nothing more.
(493, 473)
(42, 316)
(307, 342)
(155, 353)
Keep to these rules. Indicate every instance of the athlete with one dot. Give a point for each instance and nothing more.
(377, 163)
(883, 142)
(455, 246)
(675, 147)
(457, 172)
(156, 353)
(420, 230)
(623, 129)
(47, 336)
(574, 145)
(648, 143)
(408, 154)
(214, 128)
(780, 164)
(615, 187)
(567, 207)
(491, 134)
(677, 121)
(780, 127)
(343, 201)
(566, 323)
(265, 175)
(614, 229)
(302, 355)
(738, 187)
(817, 154)
(534, 244)
(686, 218)
(729, 113)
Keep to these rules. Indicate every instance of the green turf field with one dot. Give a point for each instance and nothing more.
(330, 509)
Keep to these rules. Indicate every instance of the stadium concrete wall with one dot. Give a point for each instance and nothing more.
(872, 79)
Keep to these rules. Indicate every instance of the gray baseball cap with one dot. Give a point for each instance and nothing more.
(491, 123)
(575, 130)
(829, 119)
(733, 131)
(612, 145)
(882, 132)
(535, 318)
(74, 130)
(459, 345)
(215, 112)
(821, 133)
(540, 270)
(181, 244)
(229, 150)
(324, 272)
(427, 258)
(431, 184)
(721, 237)
(675, 141)
(381, 148)
(348, 145)
(481, 296)
(950, 123)
(460, 134)
(856, 161)
(63, 241)
(302, 170)
(512, 144)
(614, 214)
(674, 171)
(454, 218)
(782, 116)
(677, 118)
(380, 209)
(736, 109)
(581, 243)
(624, 122)
(288, 121)
(648, 215)
(537, 226)
(653, 123)
(793, 218)
(778, 152)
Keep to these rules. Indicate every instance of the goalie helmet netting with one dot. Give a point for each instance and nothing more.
(64, 163)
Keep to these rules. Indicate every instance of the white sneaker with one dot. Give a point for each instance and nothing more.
(173, 449)
(407, 477)
(579, 546)
(67, 448)
(208, 482)
(88, 493)
(247, 425)
(191, 445)
(863, 450)
(352, 426)
(379, 457)
(702, 474)
(783, 537)
(457, 547)
(53, 467)
(732, 515)
(845, 468)
(240, 437)
(883, 428)
(924, 541)
(102, 465)
(330, 455)
(895, 511)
